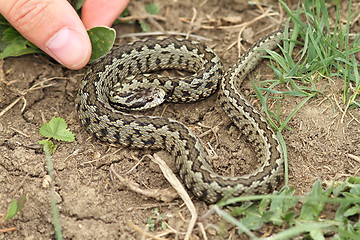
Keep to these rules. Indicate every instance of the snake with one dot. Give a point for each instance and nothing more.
(106, 92)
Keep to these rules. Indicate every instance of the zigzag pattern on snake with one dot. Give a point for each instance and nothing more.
(98, 113)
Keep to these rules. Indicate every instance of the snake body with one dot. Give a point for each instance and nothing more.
(98, 115)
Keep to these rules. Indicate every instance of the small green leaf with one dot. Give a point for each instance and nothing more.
(15, 206)
(3, 21)
(12, 43)
(12, 210)
(280, 206)
(315, 202)
(316, 234)
(10, 34)
(238, 210)
(18, 47)
(263, 205)
(151, 223)
(102, 39)
(152, 8)
(253, 221)
(163, 225)
(125, 13)
(56, 128)
(79, 4)
(144, 26)
(289, 217)
(352, 211)
(354, 180)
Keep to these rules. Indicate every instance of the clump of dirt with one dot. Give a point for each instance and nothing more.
(93, 205)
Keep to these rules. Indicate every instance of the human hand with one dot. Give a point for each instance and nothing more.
(55, 27)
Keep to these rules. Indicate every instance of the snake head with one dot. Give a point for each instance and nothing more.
(140, 98)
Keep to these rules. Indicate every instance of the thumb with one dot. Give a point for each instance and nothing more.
(53, 26)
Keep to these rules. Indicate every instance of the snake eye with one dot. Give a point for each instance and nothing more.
(150, 99)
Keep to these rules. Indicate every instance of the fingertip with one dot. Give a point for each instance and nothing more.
(101, 12)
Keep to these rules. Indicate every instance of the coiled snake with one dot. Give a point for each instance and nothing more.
(99, 109)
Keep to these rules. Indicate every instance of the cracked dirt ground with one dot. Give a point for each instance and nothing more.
(92, 203)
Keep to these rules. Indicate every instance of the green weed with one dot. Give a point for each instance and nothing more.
(56, 128)
(324, 55)
(156, 220)
(15, 207)
(280, 210)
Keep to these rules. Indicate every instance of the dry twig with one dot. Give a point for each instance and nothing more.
(36, 86)
(175, 183)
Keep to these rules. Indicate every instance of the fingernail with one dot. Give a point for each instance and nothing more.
(68, 47)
